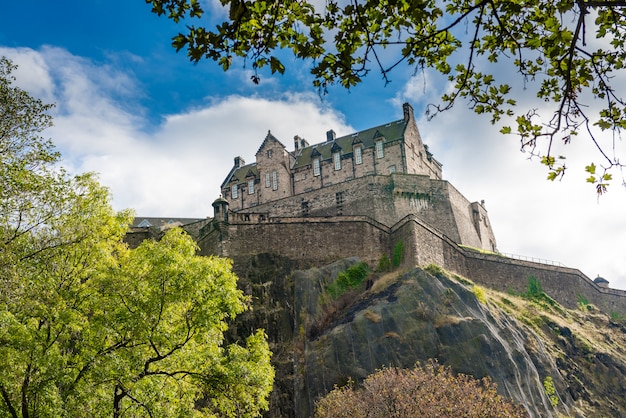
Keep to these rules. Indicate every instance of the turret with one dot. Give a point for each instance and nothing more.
(220, 210)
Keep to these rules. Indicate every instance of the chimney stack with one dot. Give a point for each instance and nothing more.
(330, 136)
(408, 112)
(239, 162)
(296, 142)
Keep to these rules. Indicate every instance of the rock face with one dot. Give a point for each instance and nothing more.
(416, 316)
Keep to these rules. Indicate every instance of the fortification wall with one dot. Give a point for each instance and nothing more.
(309, 240)
(312, 241)
(566, 285)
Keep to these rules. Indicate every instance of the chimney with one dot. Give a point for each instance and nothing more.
(296, 142)
(330, 136)
(304, 143)
(408, 112)
(239, 162)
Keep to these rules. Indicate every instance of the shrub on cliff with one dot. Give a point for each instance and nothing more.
(428, 390)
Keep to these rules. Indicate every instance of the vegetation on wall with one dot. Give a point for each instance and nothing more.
(428, 390)
(398, 254)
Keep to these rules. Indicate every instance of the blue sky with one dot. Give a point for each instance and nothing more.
(162, 132)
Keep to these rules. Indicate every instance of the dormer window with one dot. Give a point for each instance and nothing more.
(251, 186)
(234, 191)
(337, 160)
(380, 151)
(316, 167)
(358, 155)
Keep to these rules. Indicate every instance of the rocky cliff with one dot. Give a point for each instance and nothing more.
(525, 344)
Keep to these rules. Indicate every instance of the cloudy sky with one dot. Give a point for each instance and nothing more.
(163, 132)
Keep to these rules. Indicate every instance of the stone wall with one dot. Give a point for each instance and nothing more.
(390, 198)
(312, 241)
(315, 241)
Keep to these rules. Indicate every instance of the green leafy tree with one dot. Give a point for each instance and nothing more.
(572, 52)
(429, 390)
(89, 327)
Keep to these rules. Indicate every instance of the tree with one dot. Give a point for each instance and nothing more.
(429, 390)
(89, 327)
(572, 51)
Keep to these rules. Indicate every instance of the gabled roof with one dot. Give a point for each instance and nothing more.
(269, 138)
(239, 175)
(390, 131)
(145, 222)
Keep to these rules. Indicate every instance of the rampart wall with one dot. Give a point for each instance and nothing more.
(315, 240)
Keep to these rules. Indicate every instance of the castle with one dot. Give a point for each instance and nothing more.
(362, 195)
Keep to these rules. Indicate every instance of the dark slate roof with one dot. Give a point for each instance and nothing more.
(390, 131)
(240, 174)
(143, 221)
(600, 280)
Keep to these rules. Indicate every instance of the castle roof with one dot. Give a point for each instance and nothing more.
(390, 132)
(240, 174)
(145, 222)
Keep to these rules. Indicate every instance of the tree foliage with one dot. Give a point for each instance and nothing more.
(89, 327)
(571, 52)
(429, 390)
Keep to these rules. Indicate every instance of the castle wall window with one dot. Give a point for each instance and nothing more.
(274, 180)
(380, 151)
(269, 153)
(358, 155)
(267, 180)
(392, 169)
(337, 160)
(251, 186)
(316, 167)
(235, 191)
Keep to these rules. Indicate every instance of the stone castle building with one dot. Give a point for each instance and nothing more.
(362, 195)
(384, 173)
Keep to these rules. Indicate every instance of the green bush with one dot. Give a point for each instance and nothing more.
(348, 279)
(384, 263)
(536, 294)
(398, 254)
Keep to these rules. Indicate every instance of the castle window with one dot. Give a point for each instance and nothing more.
(392, 169)
(316, 167)
(339, 202)
(251, 186)
(267, 180)
(274, 180)
(380, 152)
(234, 191)
(358, 155)
(337, 160)
(269, 153)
